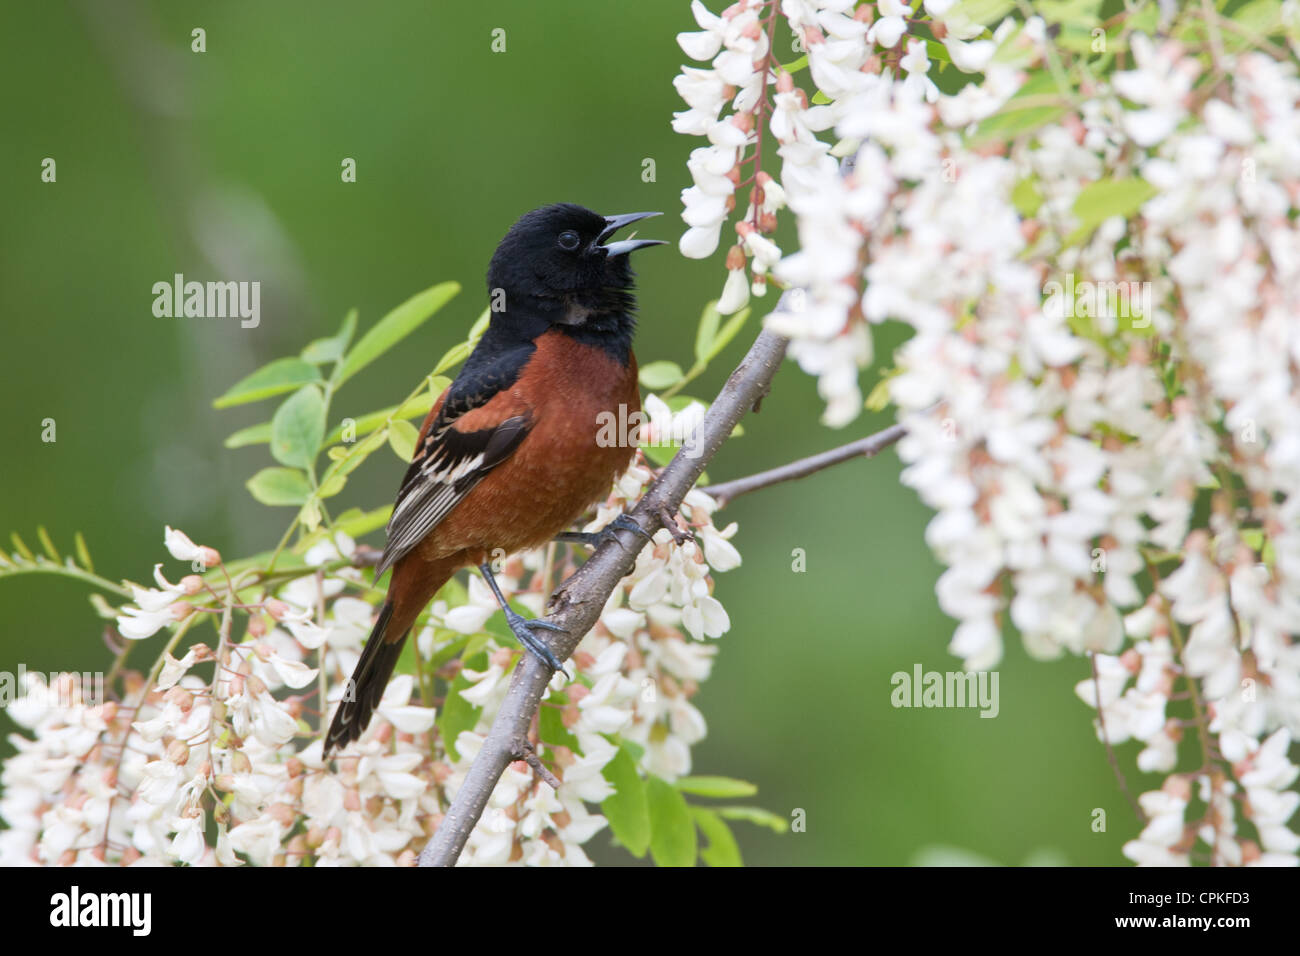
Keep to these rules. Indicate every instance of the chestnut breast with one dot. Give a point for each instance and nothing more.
(581, 400)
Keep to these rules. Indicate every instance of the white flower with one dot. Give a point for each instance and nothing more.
(258, 839)
(294, 674)
(704, 45)
(180, 546)
(887, 31)
(188, 845)
(735, 293)
(150, 599)
(970, 57)
(396, 707)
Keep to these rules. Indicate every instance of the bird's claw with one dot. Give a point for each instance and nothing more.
(595, 539)
(523, 631)
(680, 536)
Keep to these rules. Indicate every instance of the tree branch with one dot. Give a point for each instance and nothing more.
(726, 491)
(577, 603)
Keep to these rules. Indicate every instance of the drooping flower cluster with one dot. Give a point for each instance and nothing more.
(225, 768)
(1100, 386)
(638, 670)
(846, 48)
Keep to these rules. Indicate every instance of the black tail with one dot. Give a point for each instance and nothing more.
(367, 684)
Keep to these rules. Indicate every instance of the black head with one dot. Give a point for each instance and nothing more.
(557, 261)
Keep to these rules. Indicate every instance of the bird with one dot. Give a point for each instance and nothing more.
(512, 452)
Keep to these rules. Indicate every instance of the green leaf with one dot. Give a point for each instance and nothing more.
(458, 714)
(21, 546)
(480, 325)
(1260, 17)
(252, 435)
(46, 544)
(402, 436)
(310, 514)
(395, 326)
(969, 12)
(83, 553)
(454, 356)
(659, 455)
(355, 523)
(348, 329)
(756, 815)
(716, 787)
(1098, 201)
(1012, 121)
(707, 331)
(331, 486)
(878, 399)
(722, 849)
(550, 728)
(1077, 38)
(279, 486)
(298, 427)
(728, 332)
(1026, 197)
(353, 456)
(332, 348)
(446, 645)
(672, 831)
(627, 809)
(417, 407)
(661, 374)
(477, 642)
(282, 375)
(1068, 11)
(320, 351)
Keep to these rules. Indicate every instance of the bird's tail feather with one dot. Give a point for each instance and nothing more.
(367, 684)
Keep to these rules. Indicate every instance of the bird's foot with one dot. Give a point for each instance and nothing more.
(523, 630)
(680, 535)
(595, 539)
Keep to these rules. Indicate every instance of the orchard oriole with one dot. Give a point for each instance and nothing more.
(508, 455)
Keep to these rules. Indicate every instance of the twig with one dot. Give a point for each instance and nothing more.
(726, 491)
(1110, 751)
(1216, 41)
(543, 771)
(577, 604)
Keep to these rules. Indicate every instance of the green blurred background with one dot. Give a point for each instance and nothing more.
(226, 165)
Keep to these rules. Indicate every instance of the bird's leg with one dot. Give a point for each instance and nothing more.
(595, 539)
(523, 629)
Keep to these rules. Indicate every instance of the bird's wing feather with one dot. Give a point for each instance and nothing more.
(452, 456)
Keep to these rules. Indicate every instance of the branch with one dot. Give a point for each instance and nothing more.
(726, 491)
(577, 603)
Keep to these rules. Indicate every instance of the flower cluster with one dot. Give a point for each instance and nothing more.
(225, 768)
(638, 669)
(1100, 387)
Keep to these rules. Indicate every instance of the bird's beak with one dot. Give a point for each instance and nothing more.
(614, 223)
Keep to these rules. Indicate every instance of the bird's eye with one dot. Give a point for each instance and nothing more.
(568, 240)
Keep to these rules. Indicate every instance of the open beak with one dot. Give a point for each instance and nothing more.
(614, 223)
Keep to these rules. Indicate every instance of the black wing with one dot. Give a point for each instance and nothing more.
(449, 462)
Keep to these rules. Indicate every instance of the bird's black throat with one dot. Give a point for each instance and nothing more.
(605, 319)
